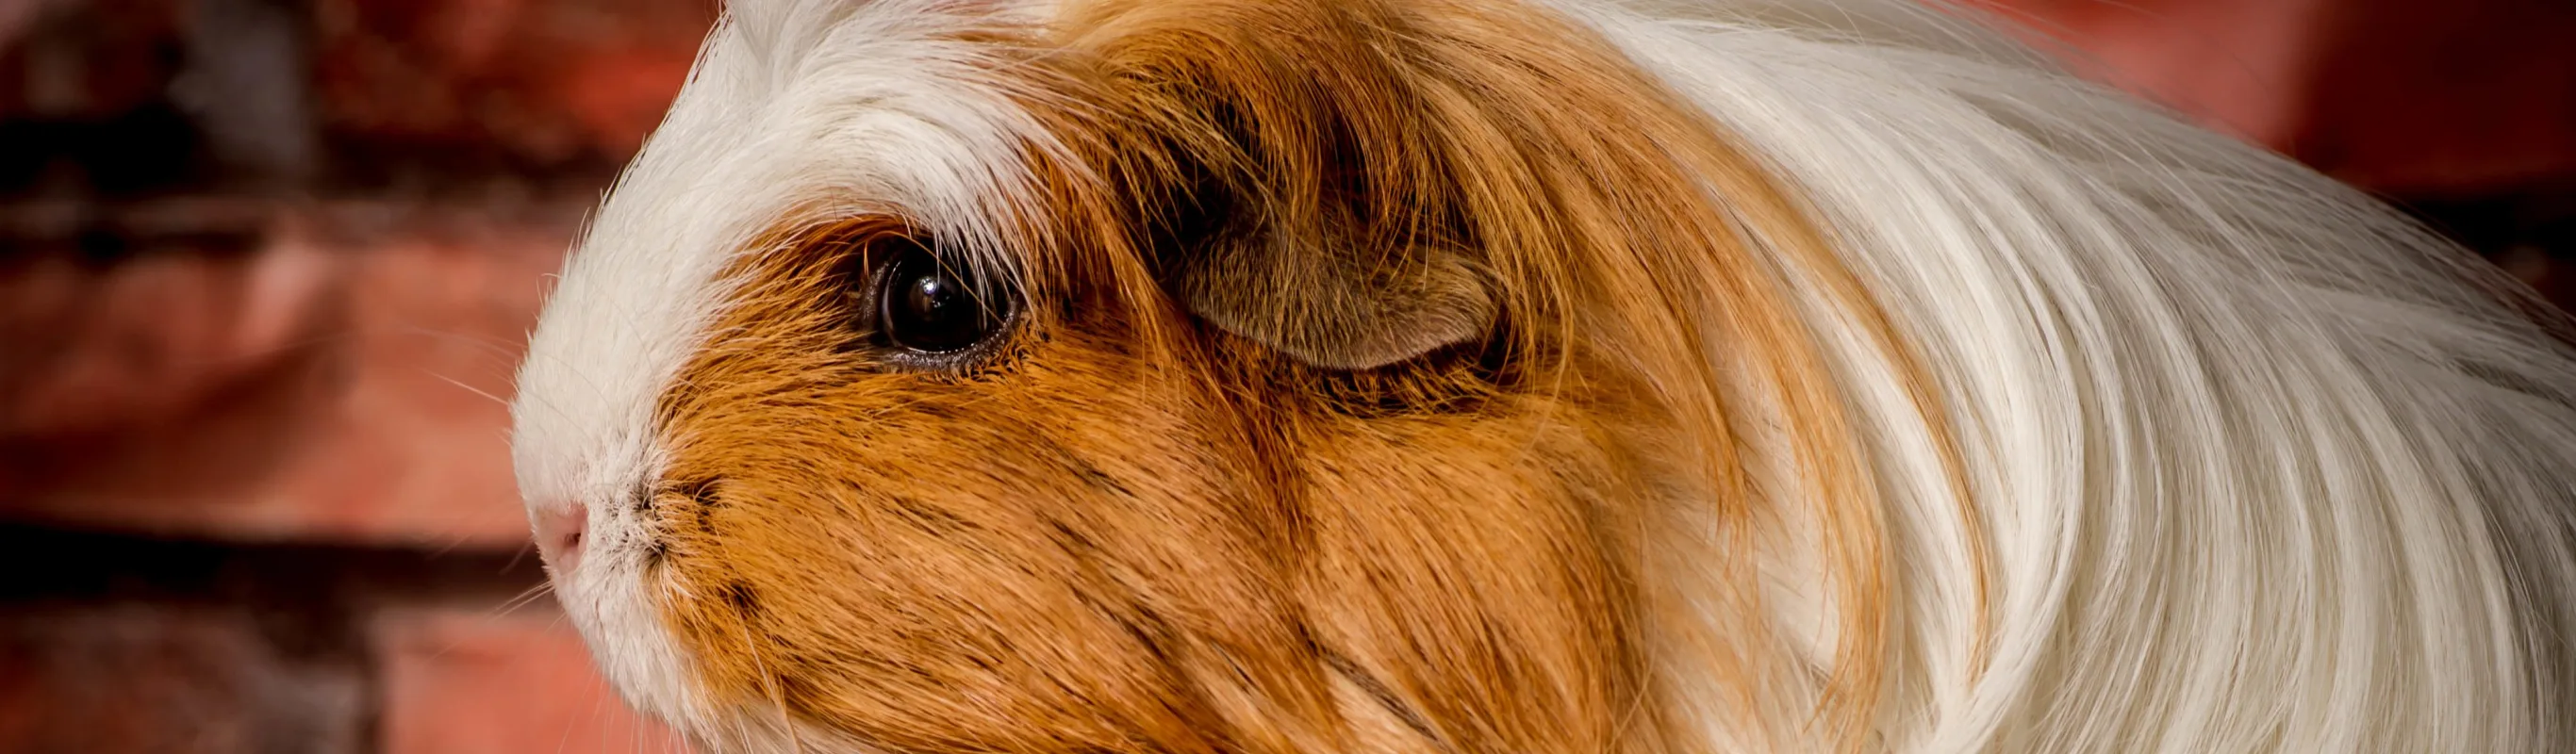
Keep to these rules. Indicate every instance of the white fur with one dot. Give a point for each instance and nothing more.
(2262, 467)
(861, 106)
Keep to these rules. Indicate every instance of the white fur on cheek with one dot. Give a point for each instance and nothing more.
(860, 107)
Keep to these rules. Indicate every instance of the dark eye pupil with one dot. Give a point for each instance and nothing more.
(929, 307)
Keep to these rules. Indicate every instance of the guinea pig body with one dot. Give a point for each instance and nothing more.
(1539, 376)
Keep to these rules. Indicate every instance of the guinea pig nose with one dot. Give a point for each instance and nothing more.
(559, 535)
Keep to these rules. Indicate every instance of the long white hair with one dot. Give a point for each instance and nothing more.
(2264, 466)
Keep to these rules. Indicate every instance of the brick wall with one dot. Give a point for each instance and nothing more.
(266, 267)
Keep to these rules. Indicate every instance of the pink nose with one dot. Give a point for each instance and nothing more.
(559, 537)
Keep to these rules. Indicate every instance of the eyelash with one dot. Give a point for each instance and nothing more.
(896, 261)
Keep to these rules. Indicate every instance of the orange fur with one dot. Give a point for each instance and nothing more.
(1135, 531)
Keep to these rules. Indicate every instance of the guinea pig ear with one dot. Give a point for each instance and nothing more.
(1311, 268)
(1324, 295)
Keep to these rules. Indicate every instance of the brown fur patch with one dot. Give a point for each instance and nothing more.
(1139, 529)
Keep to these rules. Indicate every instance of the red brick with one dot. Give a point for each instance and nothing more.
(2461, 96)
(84, 58)
(313, 390)
(547, 80)
(2423, 97)
(468, 682)
(120, 680)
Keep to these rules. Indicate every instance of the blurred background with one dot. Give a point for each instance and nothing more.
(266, 267)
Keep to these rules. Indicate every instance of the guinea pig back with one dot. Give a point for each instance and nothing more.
(1526, 376)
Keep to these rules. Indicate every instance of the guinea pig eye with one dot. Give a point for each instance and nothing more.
(928, 306)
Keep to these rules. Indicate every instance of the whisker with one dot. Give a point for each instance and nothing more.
(470, 388)
(525, 598)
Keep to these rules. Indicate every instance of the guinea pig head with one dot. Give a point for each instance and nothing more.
(1173, 377)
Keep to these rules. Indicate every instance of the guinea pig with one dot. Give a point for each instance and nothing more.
(1526, 376)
